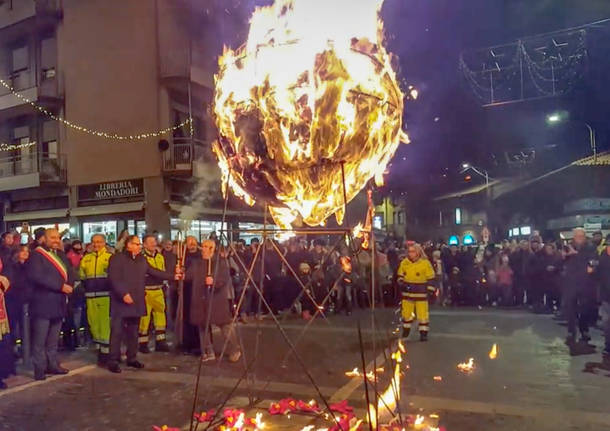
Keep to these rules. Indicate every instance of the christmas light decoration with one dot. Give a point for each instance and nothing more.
(99, 133)
(11, 147)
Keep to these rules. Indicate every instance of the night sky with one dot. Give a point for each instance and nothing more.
(447, 124)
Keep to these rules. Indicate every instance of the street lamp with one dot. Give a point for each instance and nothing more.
(558, 118)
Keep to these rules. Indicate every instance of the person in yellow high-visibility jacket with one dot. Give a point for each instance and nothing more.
(416, 279)
(155, 300)
(93, 270)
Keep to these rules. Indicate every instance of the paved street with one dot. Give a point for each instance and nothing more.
(532, 385)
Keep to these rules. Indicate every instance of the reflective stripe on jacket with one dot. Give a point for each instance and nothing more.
(93, 271)
(416, 278)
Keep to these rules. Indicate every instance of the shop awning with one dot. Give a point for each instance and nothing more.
(214, 211)
(126, 207)
(36, 215)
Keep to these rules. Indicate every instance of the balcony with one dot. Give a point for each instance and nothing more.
(18, 15)
(178, 159)
(44, 91)
(23, 171)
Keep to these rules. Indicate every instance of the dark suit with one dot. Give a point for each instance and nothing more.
(48, 306)
(127, 275)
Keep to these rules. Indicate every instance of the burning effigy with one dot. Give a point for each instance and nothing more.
(309, 103)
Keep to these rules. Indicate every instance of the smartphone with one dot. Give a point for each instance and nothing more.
(24, 238)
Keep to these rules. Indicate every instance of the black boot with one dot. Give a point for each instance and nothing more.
(406, 332)
(102, 359)
(144, 348)
(423, 335)
(161, 346)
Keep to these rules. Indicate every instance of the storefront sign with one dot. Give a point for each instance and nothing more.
(118, 191)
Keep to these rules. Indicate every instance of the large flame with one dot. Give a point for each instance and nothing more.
(388, 400)
(312, 90)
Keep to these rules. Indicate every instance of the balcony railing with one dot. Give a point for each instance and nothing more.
(51, 167)
(179, 156)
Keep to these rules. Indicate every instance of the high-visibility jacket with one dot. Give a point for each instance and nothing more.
(417, 279)
(93, 271)
(157, 261)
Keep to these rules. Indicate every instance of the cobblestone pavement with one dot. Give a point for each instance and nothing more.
(532, 385)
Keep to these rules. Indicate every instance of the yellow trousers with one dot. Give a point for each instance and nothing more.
(98, 316)
(155, 308)
(415, 309)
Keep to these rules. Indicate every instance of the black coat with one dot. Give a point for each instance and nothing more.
(127, 275)
(201, 294)
(603, 271)
(576, 277)
(20, 291)
(48, 301)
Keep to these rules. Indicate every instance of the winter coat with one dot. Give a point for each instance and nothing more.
(201, 294)
(127, 275)
(603, 272)
(48, 301)
(576, 277)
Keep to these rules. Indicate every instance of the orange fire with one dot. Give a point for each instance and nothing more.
(313, 89)
(389, 399)
(493, 353)
(467, 367)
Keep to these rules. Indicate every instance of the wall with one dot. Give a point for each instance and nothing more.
(111, 84)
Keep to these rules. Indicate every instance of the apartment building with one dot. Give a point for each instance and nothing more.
(126, 68)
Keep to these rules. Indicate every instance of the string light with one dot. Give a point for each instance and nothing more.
(11, 147)
(99, 133)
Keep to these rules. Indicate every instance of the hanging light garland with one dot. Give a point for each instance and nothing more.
(99, 133)
(11, 147)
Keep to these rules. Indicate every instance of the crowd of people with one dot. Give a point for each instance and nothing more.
(132, 292)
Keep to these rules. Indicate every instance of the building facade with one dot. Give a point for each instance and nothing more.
(125, 69)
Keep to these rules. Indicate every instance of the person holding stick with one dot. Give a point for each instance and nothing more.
(211, 281)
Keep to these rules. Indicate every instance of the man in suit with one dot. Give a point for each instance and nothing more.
(127, 274)
(51, 277)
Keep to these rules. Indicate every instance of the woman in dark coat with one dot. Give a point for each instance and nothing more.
(211, 282)
(17, 296)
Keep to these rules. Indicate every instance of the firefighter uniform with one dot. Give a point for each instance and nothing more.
(155, 307)
(93, 271)
(416, 280)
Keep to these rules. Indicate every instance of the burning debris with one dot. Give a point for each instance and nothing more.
(301, 107)
(370, 375)
(493, 353)
(466, 367)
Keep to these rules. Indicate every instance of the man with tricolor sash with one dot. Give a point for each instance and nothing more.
(51, 278)
(93, 271)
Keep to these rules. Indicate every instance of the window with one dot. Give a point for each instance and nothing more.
(526, 230)
(458, 216)
(510, 233)
(515, 231)
(107, 228)
(378, 221)
(48, 57)
(401, 217)
(20, 59)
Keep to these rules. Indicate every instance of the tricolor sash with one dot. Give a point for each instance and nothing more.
(54, 259)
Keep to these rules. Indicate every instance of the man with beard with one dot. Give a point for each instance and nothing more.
(51, 278)
(190, 334)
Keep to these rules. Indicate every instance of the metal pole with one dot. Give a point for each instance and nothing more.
(592, 141)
